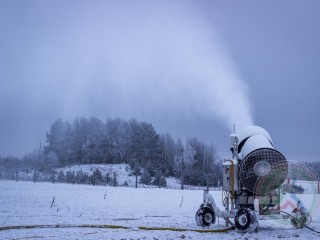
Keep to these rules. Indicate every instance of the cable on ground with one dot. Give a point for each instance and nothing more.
(118, 227)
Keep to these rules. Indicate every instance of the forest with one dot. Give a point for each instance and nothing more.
(148, 153)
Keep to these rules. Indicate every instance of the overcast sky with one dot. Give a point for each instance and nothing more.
(191, 68)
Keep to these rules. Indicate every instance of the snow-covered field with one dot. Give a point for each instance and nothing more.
(27, 203)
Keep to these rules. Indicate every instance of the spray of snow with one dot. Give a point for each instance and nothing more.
(150, 59)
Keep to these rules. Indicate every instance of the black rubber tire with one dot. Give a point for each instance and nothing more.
(247, 215)
(205, 216)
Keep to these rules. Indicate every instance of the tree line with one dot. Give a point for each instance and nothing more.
(151, 155)
(90, 141)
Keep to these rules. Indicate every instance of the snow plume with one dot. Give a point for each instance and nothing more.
(151, 60)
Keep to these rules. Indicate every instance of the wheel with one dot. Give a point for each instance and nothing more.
(246, 220)
(301, 218)
(205, 216)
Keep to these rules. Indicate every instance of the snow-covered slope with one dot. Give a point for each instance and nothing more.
(122, 172)
(27, 203)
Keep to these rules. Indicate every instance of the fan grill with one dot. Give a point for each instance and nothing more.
(263, 170)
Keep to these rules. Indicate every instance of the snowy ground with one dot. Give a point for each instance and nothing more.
(27, 203)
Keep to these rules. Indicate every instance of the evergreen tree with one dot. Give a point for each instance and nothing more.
(159, 180)
(145, 177)
(81, 177)
(61, 177)
(151, 169)
(70, 177)
(136, 170)
(115, 140)
(80, 143)
(106, 178)
(168, 152)
(96, 177)
(59, 141)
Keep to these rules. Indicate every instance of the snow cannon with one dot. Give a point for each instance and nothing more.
(262, 169)
(252, 179)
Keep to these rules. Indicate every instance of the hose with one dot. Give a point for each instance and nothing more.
(118, 227)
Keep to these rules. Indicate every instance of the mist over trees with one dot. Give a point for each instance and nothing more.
(90, 141)
(150, 155)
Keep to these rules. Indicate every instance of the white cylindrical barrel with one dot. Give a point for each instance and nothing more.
(262, 168)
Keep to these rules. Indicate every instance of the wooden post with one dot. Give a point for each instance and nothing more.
(136, 181)
(114, 179)
(35, 175)
(182, 170)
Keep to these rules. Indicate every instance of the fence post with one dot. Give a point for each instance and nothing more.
(53, 172)
(35, 175)
(182, 170)
(136, 181)
(17, 175)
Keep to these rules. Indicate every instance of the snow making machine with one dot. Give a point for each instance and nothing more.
(252, 179)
